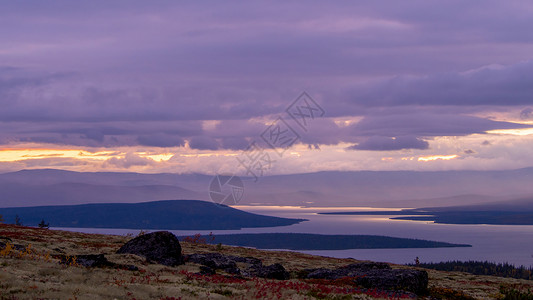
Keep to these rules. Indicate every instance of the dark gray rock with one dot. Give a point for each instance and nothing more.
(375, 276)
(17, 247)
(212, 260)
(90, 260)
(160, 247)
(207, 271)
(20, 248)
(59, 250)
(415, 281)
(215, 261)
(93, 261)
(246, 260)
(5, 238)
(275, 271)
(228, 263)
(322, 273)
(350, 270)
(366, 266)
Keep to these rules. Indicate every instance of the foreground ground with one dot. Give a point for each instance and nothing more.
(35, 273)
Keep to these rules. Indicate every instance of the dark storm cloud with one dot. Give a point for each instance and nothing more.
(235, 143)
(496, 85)
(160, 140)
(204, 143)
(401, 131)
(428, 124)
(325, 132)
(102, 134)
(388, 130)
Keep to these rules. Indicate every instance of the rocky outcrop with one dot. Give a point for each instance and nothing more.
(252, 267)
(374, 276)
(92, 261)
(215, 261)
(346, 271)
(164, 248)
(275, 271)
(161, 247)
(89, 260)
(415, 281)
(7, 240)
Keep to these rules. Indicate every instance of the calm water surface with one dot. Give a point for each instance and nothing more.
(498, 243)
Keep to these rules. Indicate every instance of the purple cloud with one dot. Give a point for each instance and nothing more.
(134, 74)
(427, 124)
(204, 143)
(493, 85)
(160, 140)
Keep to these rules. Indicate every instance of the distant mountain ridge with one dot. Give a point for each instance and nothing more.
(169, 214)
(19, 194)
(325, 189)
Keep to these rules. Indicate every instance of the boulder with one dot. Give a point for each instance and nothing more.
(207, 271)
(375, 276)
(228, 263)
(5, 238)
(92, 261)
(215, 261)
(415, 281)
(347, 271)
(366, 266)
(275, 271)
(161, 247)
(17, 247)
(247, 260)
(321, 273)
(89, 260)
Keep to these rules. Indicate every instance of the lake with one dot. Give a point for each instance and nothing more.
(497, 243)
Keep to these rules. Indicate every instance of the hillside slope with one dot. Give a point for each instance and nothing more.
(169, 214)
(36, 273)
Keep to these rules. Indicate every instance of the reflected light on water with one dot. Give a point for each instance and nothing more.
(498, 243)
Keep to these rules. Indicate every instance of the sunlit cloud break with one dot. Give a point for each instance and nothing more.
(437, 157)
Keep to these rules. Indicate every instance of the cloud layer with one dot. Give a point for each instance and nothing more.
(212, 76)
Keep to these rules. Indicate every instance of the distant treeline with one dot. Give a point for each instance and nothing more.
(482, 268)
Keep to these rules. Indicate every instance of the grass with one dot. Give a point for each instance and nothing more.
(37, 274)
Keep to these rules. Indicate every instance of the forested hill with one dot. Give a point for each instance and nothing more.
(168, 214)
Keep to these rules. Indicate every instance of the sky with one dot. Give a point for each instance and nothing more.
(198, 87)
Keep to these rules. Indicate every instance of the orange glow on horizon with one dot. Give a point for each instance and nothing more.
(156, 157)
(10, 154)
(13, 155)
(523, 131)
(437, 157)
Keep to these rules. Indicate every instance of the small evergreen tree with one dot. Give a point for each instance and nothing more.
(18, 221)
(43, 224)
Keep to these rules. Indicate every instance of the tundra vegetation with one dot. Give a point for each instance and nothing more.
(39, 263)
